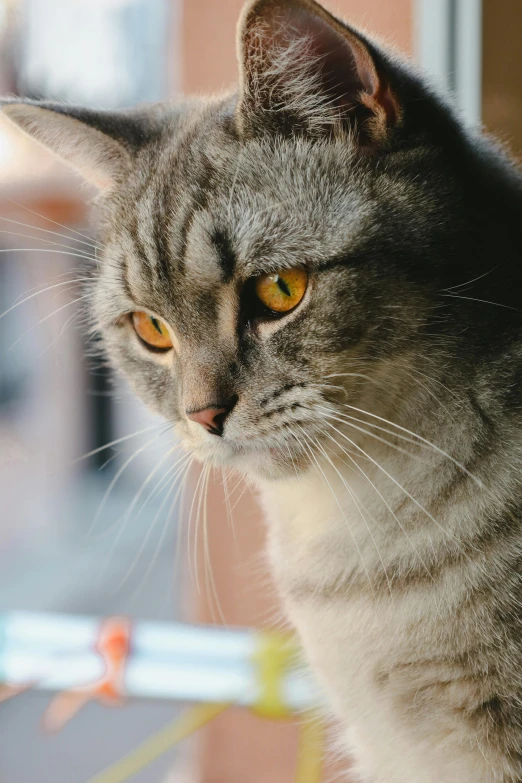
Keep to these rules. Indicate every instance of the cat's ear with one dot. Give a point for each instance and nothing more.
(99, 144)
(301, 69)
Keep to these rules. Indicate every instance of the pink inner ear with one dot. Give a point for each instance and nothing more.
(347, 68)
(348, 74)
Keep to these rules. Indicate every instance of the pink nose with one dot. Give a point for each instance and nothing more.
(212, 419)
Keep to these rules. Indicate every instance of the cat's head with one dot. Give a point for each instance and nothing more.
(272, 252)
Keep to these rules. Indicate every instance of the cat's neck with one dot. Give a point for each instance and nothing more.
(373, 507)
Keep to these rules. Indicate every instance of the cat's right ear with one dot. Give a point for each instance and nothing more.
(99, 144)
(303, 70)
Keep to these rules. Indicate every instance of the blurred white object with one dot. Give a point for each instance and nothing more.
(98, 52)
(167, 660)
(448, 46)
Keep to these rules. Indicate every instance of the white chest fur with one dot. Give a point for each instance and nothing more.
(327, 544)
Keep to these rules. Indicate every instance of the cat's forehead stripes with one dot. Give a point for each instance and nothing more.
(212, 218)
(146, 226)
(225, 253)
(208, 260)
(160, 231)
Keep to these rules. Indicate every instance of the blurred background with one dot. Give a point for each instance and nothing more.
(95, 534)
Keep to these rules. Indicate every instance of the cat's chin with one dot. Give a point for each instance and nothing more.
(271, 463)
(251, 459)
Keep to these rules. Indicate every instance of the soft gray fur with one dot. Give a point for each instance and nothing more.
(381, 419)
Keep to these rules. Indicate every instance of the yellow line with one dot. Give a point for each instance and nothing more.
(159, 743)
(311, 747)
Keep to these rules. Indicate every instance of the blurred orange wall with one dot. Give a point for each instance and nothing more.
(209, 30)
(239, 747)
(501, 71)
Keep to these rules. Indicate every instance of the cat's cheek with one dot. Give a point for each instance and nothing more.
(153, 381)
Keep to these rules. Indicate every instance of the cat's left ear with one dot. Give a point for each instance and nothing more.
(99, 144)
(303, 70)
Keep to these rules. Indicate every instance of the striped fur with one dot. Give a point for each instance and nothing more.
(381, 419)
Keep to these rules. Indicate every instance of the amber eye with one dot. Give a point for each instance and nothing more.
(281, 292)
(151, 330)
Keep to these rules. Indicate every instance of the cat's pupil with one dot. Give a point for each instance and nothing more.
(283, 286)
(155, 323)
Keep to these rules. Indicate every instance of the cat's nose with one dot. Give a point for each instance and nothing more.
(212, 419)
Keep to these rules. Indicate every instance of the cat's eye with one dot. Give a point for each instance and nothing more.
(282, 291)
(151, 330)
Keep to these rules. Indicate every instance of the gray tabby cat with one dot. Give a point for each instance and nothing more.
(317, 279)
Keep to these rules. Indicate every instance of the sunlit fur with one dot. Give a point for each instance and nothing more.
(381, 418)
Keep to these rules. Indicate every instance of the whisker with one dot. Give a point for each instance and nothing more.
(482, 301)
(123, 521)
(394, 434)
(116, 478)
(73, 282)
(145, 541)
(120, 440)
(422, 440)
(349, 423)
(403, 489)
(37, 293)
(434, 396)
(43, 286)
(109, 460)
(193, 570)
(292, 459)
(228, 509)
(238, 483)
(69, 321)
(186, 466)
(358, 501)
(473, 280)
(45, 250)
(54, 222)
(368, 479)
(243, 483)
(45, 231)
(233, 186)
(46, 318)
(41, 239)
(160, 486)
(341, 510)
(378, 383)
(73, 287)
(181, 527)
(209, 571)
(146, 538)
(436, 380)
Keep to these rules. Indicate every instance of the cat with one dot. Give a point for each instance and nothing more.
(317, 280)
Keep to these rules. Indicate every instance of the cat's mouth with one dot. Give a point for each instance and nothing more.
(262, 453)
(255, 438)
(230, 449)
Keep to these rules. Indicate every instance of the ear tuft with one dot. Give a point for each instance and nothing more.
(302, 70)
(86, 139)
